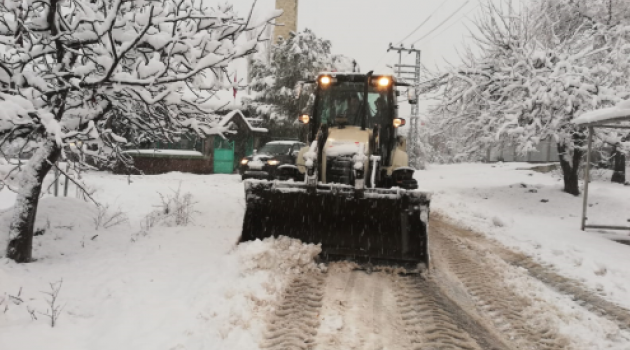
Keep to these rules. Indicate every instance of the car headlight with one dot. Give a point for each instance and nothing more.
(273, 162)
(244, 161)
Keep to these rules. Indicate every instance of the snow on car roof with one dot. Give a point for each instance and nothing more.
(354, 73)
(620, 112)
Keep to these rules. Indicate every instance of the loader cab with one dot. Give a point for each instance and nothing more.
(340, 102)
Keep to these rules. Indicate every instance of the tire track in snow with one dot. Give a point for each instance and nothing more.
(575, 289)
(507, 310)
(578, 293)
(377, 315)
(360, 312)
(430, 319)
(296, 319)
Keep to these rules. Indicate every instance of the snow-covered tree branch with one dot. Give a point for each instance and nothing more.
(75, 74)
(535, 73)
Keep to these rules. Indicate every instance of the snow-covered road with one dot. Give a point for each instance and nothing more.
(479, 295)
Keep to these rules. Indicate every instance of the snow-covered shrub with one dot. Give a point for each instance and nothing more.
(54, 308)
(177, 208)
(174, 209)
(106, 217)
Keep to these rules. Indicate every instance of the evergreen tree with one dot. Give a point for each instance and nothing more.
(298, 58)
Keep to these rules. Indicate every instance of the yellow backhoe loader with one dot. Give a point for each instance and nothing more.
(354, 191)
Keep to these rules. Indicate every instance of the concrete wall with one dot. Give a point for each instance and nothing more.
(288, 19)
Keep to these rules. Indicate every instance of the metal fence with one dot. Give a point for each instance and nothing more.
(546, 151)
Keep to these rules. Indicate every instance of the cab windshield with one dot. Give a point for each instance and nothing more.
(342, 103)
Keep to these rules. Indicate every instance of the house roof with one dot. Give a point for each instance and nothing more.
(225, 120)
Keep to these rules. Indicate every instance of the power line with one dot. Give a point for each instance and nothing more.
(423, 22)
(465, 15)
(444, 21)
(381, 59)
(440, 32)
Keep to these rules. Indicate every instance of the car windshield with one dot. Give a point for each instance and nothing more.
(343, 102)
(275, 149)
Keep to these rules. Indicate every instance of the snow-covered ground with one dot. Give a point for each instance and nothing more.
(527, 211)
(190, 287)
(178, 287)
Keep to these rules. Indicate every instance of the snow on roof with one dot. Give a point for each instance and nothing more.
(228, 117)
(170, 152)
(620, 112)
(287, 142)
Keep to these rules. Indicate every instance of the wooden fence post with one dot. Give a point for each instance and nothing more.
(56, 179)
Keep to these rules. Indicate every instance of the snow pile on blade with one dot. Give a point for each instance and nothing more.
(283, 254)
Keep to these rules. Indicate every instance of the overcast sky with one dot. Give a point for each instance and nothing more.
(363, 29)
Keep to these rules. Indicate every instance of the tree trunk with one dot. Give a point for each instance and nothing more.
(619, 167)
(570, 169)
(31, 178)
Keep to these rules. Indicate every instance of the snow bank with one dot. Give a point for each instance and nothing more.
(179, 287)
(284, 255)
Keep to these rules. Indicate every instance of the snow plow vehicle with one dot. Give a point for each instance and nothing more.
(359, 199)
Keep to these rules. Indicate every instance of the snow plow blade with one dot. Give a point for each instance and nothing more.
(379, 227)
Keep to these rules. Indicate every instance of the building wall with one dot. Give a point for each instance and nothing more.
(288, 19)
(160, 165)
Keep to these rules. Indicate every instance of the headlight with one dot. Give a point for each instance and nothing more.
(398, 122)
(304, 118)
(273, 162)
(244, 161)
(325, 80)
(383, 82)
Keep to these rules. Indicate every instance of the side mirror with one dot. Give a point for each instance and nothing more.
(412, 96)
(298, 89)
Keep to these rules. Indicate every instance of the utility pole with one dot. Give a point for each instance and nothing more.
(410, 73)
